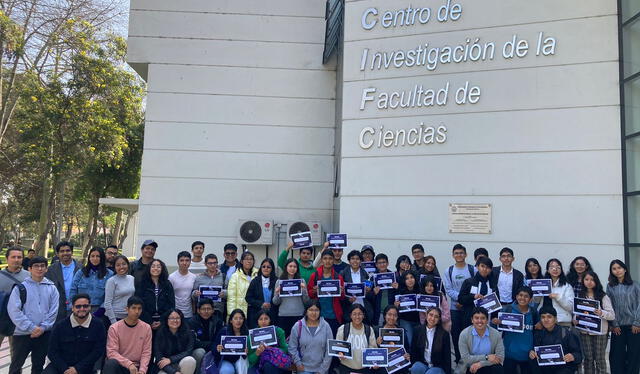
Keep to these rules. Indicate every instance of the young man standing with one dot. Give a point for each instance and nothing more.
(453, 279)
(481, 345)
(380, 298)
(76, 342)
(31, 253)
(330, 307)
(508, 279)
(417, 250)
(11, 275)
(139, 266)
(477, 287)
(355, 274)
(231, 263)
(182, 281)
(110, 254)
(197, 260)
(211, 277)
(129, 343)
(61, 273)
(305, 267)
(34, 319)
(338, 264)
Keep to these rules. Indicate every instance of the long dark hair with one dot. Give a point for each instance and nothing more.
(613, 280)
(403, 282)
(164, 273)
(572, 276)
(526, 268)
(562, 279)
(437, 338)
(423, 286)
(285, 273)
(400, 260)
(272, 275)
(598, 291)
(163, 337)
(123, 258)
(243, 329)
(102, 266)
(386, 310)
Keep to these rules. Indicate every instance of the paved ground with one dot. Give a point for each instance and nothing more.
(5, 359)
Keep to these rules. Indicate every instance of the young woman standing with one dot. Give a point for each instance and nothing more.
(625, 336)
(260, 293)
(562, 295)
(239, 283)
(308, 342)
(290, 308)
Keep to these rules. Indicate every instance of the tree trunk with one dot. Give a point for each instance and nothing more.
(126, 229)
(59, 210)
(67, 235)
(115, 235)
(44, 224)
(93, 218)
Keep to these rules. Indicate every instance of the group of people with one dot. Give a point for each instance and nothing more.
(122, 317)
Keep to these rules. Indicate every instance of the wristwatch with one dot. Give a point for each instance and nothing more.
(486, 357)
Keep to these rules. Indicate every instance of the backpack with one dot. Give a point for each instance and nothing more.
(469, 268)
(347, 330)
(7, 327)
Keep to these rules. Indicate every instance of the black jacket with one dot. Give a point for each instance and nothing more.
(153, 305)
(76, 346)
(54, 274)
(174, 347)
(440, 352)
(255, 299)
(346, 304)
(227, 330)
(376, 301)
(466, 298)
(518, 280)
(561, 335)
(137, 269)
(198, 326)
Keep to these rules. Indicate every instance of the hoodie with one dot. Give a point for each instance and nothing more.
(40, 309)
(517, 345)
(310, 349)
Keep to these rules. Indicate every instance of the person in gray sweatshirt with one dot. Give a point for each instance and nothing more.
(118, 290)
(212, 276)
(34, 320)
(291, 308)
(308, 342)
(12, 274)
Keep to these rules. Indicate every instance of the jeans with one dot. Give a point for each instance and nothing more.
(493, 369)
(22, 346)
(227, 368)
(408, 329)
(421, 368)
(187, 366)
(457, 325)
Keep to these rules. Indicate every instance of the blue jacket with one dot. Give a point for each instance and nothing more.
(90, 285)
(40, 309)
(517, 345)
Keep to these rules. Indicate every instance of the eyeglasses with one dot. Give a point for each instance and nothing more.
(206, 309)
(82, 306)
(229, 253)
(39, 266)
(555, 268)
(357, 314)
(212, 263)
(173, 318)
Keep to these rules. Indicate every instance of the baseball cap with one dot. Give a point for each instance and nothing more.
(150, 242)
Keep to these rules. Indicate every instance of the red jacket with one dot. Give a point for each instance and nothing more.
(337, 306)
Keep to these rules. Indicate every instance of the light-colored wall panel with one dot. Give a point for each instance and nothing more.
(549, 219)
(237, 138)
(311, 8)
(245, 110)
(239, 166)
(521, 89)
(526, 131)
(563, 173)
(227, 27)
(243, 81)
(225, 53)
(572, 47)
(475, 15)
(238, 194)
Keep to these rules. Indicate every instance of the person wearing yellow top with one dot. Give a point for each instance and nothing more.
(239, 283)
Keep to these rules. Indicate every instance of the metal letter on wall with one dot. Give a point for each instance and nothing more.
(469, 218)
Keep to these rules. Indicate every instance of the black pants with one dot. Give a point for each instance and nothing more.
(556, 369)
(112, 366)
(22, 346)
(526, 367)
(624, 356)
(286, 323)
(493, 369)
(457, 325)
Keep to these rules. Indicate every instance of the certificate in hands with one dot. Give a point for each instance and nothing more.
(511, 322)
(354, 289)
(550, 355)
(290, 287)
(427, 301)
(263, 335)
(329, 288)
(233, 345)
(586, 307)
(337, 240)
(384, 280)
(397, 361)
(540, 287)
(392, 337)
(407, 303)
(210, 292)
(369, 266)
(302, 240)
(375, 357)
(592, 324)
(489, 302)
(335, 347)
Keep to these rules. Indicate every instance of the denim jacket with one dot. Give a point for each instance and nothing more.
(90, 285)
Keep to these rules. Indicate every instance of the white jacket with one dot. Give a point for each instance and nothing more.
(564, 303)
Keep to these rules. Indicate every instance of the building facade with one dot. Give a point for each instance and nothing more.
(426, 109)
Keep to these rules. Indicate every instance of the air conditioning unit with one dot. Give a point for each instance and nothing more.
(302, 226)
(255, 232)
